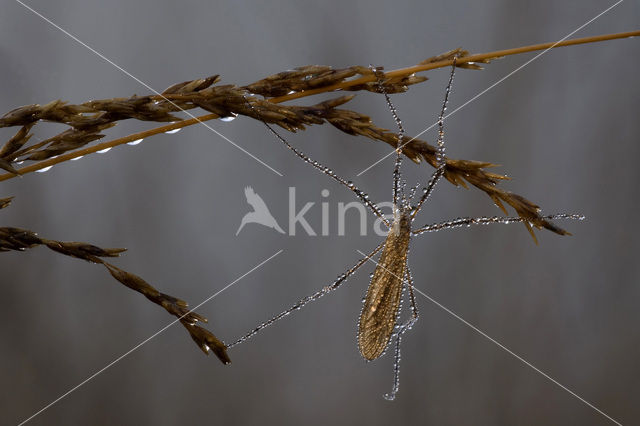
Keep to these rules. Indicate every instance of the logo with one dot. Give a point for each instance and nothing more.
(260, 214)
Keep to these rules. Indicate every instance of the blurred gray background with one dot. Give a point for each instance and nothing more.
(565, 128)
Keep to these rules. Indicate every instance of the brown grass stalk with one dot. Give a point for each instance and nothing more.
(16, 239)
(394, 74)
(478, 57)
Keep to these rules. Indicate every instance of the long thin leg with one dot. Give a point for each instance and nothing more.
(441, 162)
(327, 171)
(406, 326)
(401, 132)
(317, 295)
(468, 221)
(412, 191)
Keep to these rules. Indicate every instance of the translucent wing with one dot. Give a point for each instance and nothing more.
(380, 310)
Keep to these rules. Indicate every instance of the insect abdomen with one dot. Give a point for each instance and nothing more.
(379, 313)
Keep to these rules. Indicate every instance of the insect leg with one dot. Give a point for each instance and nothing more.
(317, 295)
(396, 170)
(327, 171)
(412, 191)
(401, 330)
(441, 162)
(468, 221)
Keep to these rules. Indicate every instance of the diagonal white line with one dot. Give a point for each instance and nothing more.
(500, 345)
(518, 357)
(146, 85)
(94, 375)
(495, 84)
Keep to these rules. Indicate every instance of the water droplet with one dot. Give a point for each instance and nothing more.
(46, 169)
(102, 151)
(136, 142)
(77, 158)
(229, 117)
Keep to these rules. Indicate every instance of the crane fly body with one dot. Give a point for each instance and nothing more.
(382, 303)
(379, 320)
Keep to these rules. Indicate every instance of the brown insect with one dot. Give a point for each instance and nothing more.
(379, 319)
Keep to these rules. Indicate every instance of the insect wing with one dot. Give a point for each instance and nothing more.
(380, 310)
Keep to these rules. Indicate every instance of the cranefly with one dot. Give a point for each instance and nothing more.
(379, 321)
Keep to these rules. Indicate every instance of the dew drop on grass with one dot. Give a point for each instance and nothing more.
(136, 142)
(229, 117)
